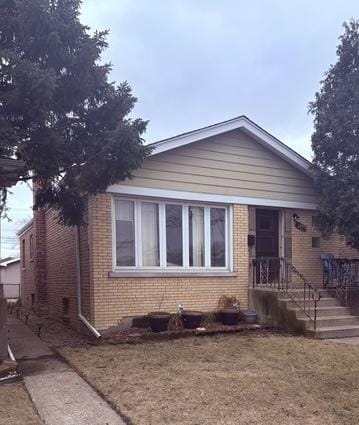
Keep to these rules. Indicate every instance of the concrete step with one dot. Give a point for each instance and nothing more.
(324, 302)
(334, 332)
(323, 311)
(328, 321)
(299, 293)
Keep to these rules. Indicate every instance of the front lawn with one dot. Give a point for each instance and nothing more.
(232, 379)
(16, 408)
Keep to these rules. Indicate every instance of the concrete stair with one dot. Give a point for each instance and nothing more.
(333, 320)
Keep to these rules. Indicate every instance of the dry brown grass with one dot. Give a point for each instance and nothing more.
(227, 380)
(16, 407)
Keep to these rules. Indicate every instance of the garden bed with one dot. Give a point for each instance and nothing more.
(138, 335)
(58, 334)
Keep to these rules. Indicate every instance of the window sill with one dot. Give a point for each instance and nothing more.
(205, 274)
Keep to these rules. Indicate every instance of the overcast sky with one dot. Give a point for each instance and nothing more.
(194, 63)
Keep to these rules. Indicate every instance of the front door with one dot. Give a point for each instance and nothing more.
(267, 243)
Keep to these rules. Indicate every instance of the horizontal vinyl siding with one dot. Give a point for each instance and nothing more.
(229, 164)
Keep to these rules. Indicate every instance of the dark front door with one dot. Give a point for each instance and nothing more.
(267, 243)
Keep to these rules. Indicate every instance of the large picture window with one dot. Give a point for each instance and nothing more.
(170, 235)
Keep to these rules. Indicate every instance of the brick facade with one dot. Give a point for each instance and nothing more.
(107, 300)
(49, 279)
(116, 298)
(305, 257)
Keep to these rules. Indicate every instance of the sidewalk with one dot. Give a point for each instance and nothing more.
(60, 395)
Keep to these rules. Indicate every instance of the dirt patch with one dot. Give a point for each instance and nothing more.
(228, 379)
(54, 333)
(16, 407)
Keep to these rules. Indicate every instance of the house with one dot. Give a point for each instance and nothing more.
(10, 277)
(187, 229)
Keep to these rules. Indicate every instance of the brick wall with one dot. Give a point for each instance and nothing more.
(51, 274)
(40, 276)
(62, 270)
(305, 257)
(107, 300)
(61, 267)
(116, 298)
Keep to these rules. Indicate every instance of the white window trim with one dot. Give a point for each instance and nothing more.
(185, 237)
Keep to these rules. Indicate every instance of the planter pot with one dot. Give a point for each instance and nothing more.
(159, 321)
(230, 316)
(250, 316)
(191, 319)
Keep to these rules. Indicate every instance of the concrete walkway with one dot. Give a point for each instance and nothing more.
(60, 395)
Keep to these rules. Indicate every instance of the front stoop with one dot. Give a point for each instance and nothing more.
(278, 309)
(333, 320)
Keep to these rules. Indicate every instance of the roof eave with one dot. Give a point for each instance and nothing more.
(25, 227)
(245, 124)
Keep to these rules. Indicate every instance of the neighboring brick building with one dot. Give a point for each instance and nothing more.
(178, 232)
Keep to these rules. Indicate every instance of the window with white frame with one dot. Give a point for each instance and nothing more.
(170, 235)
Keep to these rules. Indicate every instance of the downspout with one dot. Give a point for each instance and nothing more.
(91, 328)
(11, 354)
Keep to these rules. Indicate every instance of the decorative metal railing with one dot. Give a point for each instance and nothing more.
(280, 274)
(341, 275)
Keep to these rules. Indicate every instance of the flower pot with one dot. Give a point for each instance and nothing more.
(191, 319)
(250, 316)
(230, 316)
(159, 321)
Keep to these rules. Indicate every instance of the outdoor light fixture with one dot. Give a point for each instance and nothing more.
(300, 226)
(180, 308)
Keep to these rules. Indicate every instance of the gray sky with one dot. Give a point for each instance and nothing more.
(194, 63)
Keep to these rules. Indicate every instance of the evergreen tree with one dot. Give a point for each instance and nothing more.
(335, 141)
(58, 111)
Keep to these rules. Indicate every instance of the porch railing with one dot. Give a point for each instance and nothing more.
(280, 274)
(341, 275)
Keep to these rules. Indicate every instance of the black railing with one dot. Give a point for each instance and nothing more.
(341, 275)
(280, 274)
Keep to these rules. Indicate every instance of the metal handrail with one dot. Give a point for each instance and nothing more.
(341, 275)
(276, 273)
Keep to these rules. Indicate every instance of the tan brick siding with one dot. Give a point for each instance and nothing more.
(116, 298)
(62, 271)
(105, 300)
(306, 258)
(60, 268)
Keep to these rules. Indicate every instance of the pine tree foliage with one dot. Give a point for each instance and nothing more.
(335, 140)
(58, 110)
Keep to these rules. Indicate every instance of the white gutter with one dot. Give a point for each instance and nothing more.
(83, 319)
